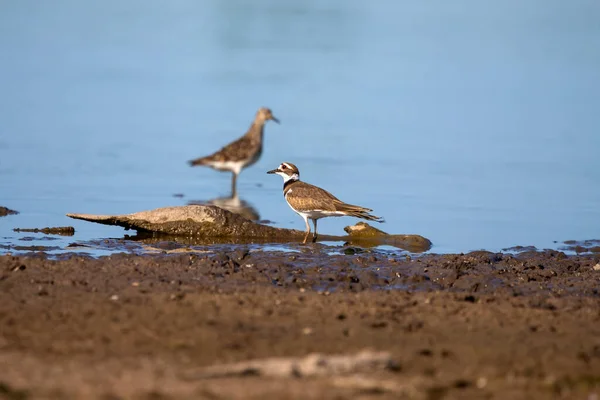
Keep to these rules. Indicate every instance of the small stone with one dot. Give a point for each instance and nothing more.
(550, 380)
(114, 297)
(135, 284)
(177, 296)
(307, 331)
(353, 250)
(379, 324)
(596, 267)
(481, 382)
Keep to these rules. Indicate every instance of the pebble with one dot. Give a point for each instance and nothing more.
(481, 382)
(596, 267)
(114, 297)
(307, 331)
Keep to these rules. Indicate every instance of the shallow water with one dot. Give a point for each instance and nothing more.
(472, 124)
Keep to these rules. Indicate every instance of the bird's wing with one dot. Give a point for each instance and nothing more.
(305, 197)
(345, 207)
(238, 150)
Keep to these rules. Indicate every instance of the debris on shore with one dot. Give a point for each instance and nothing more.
(204, 221)
(58, 230)
(7, 211)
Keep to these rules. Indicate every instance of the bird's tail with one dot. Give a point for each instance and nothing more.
(197, 161)
(358, 212)
(366, 215)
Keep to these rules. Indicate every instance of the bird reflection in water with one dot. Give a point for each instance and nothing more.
(234, 204)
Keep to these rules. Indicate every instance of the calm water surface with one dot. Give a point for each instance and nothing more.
(475, 124)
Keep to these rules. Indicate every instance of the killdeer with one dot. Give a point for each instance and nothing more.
(241, 153)
(312, 202)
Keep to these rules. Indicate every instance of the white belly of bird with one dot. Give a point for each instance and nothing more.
(316, 214)
(233, 166)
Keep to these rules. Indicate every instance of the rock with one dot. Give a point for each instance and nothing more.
(293, 367)
(59, 230)
(204, 221)
(365, 233)
(192, 220)
(519, 249)
(6, 211)
(582, 247)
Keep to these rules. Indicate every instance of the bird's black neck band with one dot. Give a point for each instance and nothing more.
(289, 182)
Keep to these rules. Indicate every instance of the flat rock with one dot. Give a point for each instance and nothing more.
(199, 221)
(312, 365)
(205, 221)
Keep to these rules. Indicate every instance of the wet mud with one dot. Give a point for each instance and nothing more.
(585, 246)
(245, 323)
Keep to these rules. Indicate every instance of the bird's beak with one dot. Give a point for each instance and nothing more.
(273, 171)
(275, 119)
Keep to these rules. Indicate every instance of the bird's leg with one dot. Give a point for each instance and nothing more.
(307, 230)
(315, 234)
(233, 184)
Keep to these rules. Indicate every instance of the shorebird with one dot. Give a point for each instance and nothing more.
(242, 152)
(312, 202)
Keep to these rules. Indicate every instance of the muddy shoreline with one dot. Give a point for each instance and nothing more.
(478, 325)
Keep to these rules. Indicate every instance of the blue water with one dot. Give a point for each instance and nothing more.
(475, 124)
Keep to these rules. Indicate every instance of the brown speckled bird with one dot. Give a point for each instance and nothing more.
(312, 202)
(241, 153)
